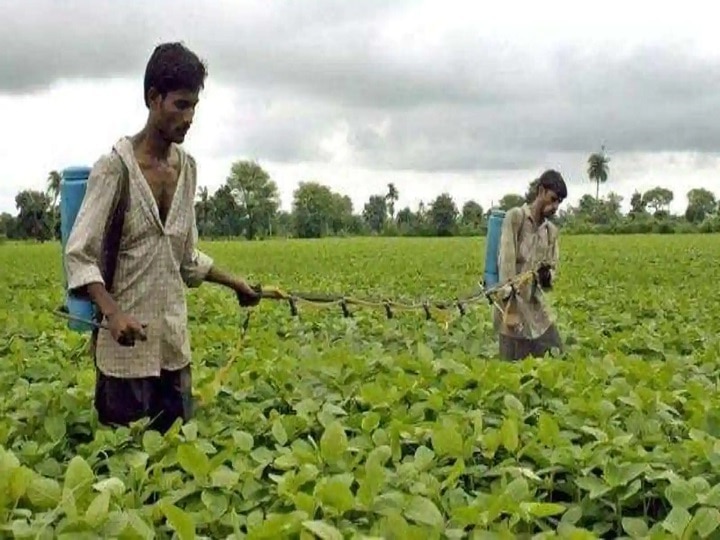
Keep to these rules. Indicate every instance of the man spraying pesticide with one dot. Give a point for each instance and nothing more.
(526, 245)
(131, 251)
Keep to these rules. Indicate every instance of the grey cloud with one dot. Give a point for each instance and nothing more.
(466, 104)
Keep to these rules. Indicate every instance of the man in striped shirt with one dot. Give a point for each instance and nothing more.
(143, 360)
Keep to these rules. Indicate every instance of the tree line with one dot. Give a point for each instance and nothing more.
(247, 205)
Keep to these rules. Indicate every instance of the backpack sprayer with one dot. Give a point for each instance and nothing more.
(73, 183)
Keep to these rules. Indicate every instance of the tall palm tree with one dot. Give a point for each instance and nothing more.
(53, 191)
(598, 169)
(53, 186)
(391, 198)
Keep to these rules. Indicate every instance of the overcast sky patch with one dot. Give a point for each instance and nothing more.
(436, 89)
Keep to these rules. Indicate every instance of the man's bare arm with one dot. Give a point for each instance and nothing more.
(102, 298)
(216, 275)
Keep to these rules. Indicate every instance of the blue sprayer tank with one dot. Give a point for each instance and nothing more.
(72, 191)
(492, 271)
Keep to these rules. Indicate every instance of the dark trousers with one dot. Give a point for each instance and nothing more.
(162, 399)
(518, 348)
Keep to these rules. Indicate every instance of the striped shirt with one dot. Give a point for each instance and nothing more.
(523, 245)
(155, 262)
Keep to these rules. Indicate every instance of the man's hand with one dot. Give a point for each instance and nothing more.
(246, 295)
(545, 277)
(125, 329)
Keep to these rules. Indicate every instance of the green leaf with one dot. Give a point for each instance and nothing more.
(278, 431)
(513, 404)
(447, 441)
(323, 530)
(572, 515)
(19, 482)
(712, 497)
(635, 527)
(193, 460)
(595, 486)
(370, 421)
(423, 510)
(548, 429)
(79, 478)
(44, 493)
(55, 427)
(333, 443)
(336, 494)
(152, 442)
(217, 503)
(136, 460)
(97, 512)
(615, 475)
(180, 521)
(425, 353)
(423, 458)
(224, 477)
(542, 510)
(374, 479)
(137, 528)
(113, 486)
(680, 494)
(243, 441)
(705, 521)
(677, 521)
(518, 489)
(509, 435)
(190, 430)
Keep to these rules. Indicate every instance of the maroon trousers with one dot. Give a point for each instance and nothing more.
(162, 399)
(517, 348)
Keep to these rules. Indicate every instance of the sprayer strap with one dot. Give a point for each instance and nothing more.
(114, 227)
(113, 235)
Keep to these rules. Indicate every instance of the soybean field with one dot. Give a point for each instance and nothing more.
(325, 426)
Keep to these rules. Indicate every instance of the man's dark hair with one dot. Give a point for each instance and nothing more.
(171, 67)
(553, 181)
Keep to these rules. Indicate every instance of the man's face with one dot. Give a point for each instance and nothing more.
(549, 202)
(173, 115)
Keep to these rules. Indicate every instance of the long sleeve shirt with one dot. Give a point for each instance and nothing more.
(523, 245)
(156, 262)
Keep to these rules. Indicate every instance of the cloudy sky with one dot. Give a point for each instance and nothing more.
(471, 98)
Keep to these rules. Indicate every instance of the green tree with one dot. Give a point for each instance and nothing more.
(658, 199)
(53, 191)
(8, 227)
(443, 215)
(34, 218)
(407, 221)
(283, 223)
(375, 213)
(253, 189)
(472, 214)
(598, 169)
(341, 213)
(511, 200)
(203, 212)
(227, 217)
(701, 202)
(391, 198)
(637, 205)
(313, 211)
(607, 210)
